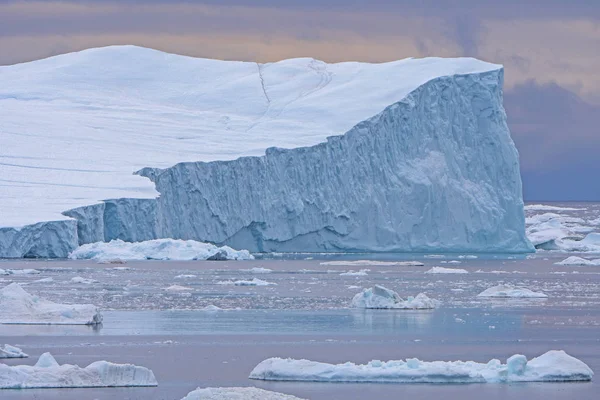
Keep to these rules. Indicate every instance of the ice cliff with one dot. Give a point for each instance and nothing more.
(298, 155)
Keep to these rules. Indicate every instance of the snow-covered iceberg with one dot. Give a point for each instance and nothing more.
(47, 373)
(19, 307)
(508, 291)
(9, 351)
(237, 393)
(552, 366)
(251, 282)
(379, 297)
(159, 249)
(442, 270)
(297, 155)
(579, 261)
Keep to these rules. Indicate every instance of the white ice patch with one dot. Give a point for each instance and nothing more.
(258, 270)
(159, 249)
(178, 288)
(252, 282)
(361, 263)
(442, 270)
(19, 307)
(85, 281)
(579, 261)
(379, 297)
(9, 351)
(544, 207)
(47, 373)
(362, 272)
(26, 271)
(553, 366)
(507, 291)
(237, 393)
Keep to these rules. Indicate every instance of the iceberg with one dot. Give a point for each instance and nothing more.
(19, 307)
(507, 291)
(159, 249)
(9, 351)
(552, 366)
(379, 297)
(237, 393)
(374, 263)
(298, 155)
(442, 270)
(251, 282)
(579, 261)
(47, 373)
(362, 272)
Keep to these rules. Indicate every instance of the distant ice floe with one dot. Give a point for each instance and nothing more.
(85, 281)
(552, 366)
(26, 271)
(507, 291)
(178, 288)
(19, 307)
(258, 270)
(159, 249)
(211, 307)
(9, 351)
(237, 393)
(362, 272)
(545, 207)
(579, 261)
(47, 373)
(442, 270)
(251, 282)
(379, 297)
(360, 263)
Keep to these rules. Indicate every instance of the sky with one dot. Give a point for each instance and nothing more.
(550, 50)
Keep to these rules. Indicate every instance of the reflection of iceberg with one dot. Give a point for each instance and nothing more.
(390, 321)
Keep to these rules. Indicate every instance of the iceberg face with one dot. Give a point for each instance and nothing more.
(422, 160)
(19, 307)
(47, 373)
(237, 393)
(553, 366)
(379, 297)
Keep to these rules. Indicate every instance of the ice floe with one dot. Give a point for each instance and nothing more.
(47, 373)
(19, 307)
(362, 272)
(26, 271)
(544, 207)
(237, 393)
(85, 281)
(9, 351)
(579, 261)
(379, 297)
(251, 282)
(359, 263)
(442, 270)
(159, 249)
(258, 270)
(552, 366)
(507, 291)
(178, 288)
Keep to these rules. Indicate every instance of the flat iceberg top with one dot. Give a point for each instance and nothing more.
(552, 366)
(47, 373)
(76, 127)
(237, 393)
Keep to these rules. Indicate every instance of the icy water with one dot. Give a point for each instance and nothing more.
(306, 315)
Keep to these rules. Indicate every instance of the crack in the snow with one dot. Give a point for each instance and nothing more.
(262, 83)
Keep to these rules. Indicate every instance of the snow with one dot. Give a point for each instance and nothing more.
(579, 261)
(9, 351)
(237, 393)
(101, 115)
(507, 291)
(359, 263)
(379, 297)
(19, 307)
(159, 249)
(362, 272)
(552, 366)
(442, 270)
(47, 373)
(251, 282)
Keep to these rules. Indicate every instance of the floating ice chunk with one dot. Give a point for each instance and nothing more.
(544, 207)
(178, 288)
(362, 272)
(237, 393)
(252, 282)
(579, 261)
(211, 307)
(590, 243)
(379, 297)
(468, 257)
(9, 351)
(359, 263)
(19, 307)
(258, 270)
(594, 221)
(185, 276)
(25, 271)
(112, 261)
(442, 270)
(47, 373)
(44, 280)
(507, 291)
(85, 281)
(159, 249)
(553, 366)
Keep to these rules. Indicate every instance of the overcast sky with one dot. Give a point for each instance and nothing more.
(550, 50)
